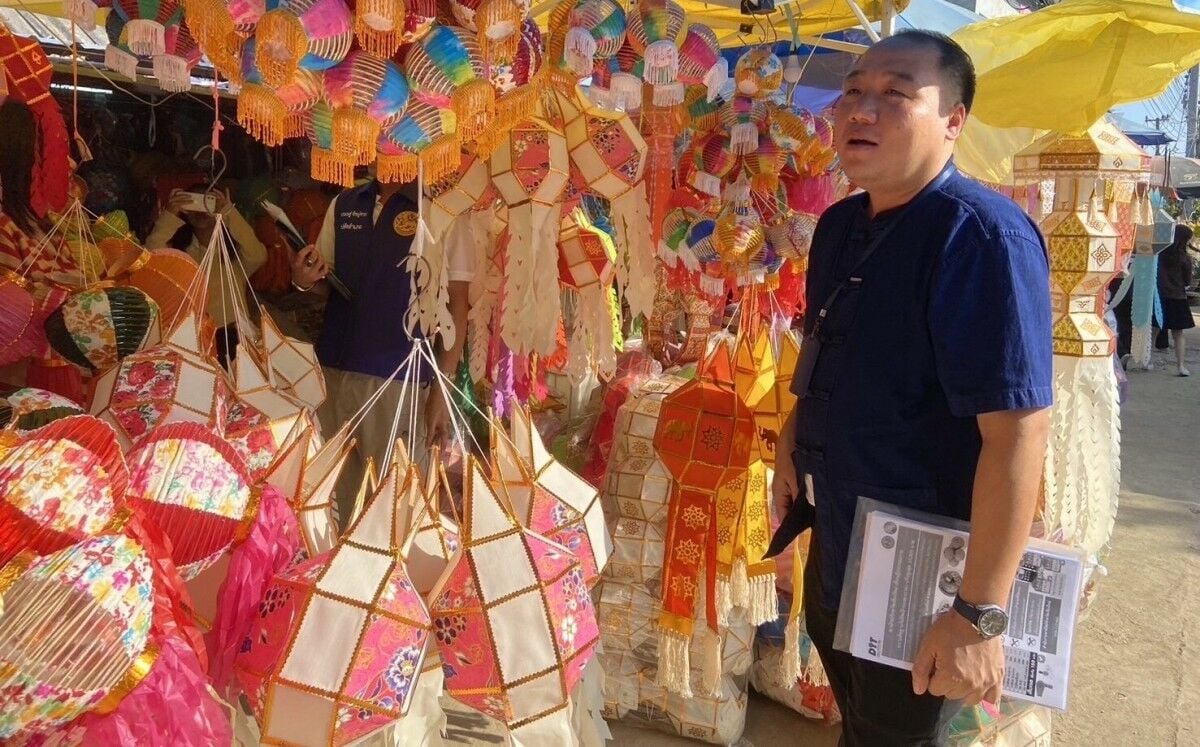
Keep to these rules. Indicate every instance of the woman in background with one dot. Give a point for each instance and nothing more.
(1174, 277)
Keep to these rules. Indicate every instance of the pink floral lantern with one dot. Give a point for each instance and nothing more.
(172, 382)
(60, 484)
(515, 623)
(193, 485)
(75, 634)
(547, 497)
(340, 638)
(260, 418)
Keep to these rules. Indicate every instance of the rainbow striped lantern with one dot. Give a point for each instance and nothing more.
(393, 163)
(758, 73)
(652, 34)
(763, 164)
(743, 117)
(517, 83)
(324, 164)
(531, 169)
(713, 160)
(146, 23)
(446, 70)
(173, 68)
(700, 240)
(308, 34)
(366, 94)
(274, 114)
(596, 31)
(791, 234)
(700, 60)
(379, 25)
(496, 23)
(75, 634)
(428, 134)
(701, 112)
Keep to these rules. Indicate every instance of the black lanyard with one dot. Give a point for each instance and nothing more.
(811, 348)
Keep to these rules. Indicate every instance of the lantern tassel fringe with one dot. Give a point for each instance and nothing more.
(378, 26)
(400, 168)
(475, 107)
(262, 114)
(355, 134)
(281, 44)
(711, 671)
(443, 156)
(674, 663)
(327, 167)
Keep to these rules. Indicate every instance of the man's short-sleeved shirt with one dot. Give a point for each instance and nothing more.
(951, 319)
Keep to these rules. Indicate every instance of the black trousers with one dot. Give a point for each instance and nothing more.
(877, 702)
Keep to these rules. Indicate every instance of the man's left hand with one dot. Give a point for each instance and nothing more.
(956, 663)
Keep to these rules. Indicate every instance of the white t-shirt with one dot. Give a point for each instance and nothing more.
(460, 248)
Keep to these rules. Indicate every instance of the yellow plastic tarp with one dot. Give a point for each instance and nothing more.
(812, 18)
(1060, 69)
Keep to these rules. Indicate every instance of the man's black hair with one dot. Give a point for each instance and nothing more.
(953, 61)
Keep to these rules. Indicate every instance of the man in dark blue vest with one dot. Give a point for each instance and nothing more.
(366, 237)
(925, 378)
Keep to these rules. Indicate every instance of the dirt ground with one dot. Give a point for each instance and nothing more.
(1136, 679)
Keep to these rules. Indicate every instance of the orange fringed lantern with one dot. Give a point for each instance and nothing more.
(379, 25)
(366, 94)
(326, 165)
(496, 23)
(313, 34)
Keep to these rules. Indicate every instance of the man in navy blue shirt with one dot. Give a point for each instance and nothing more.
(925, 380)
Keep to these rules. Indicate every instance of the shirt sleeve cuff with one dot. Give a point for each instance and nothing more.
(1031, 398)
(460, 276)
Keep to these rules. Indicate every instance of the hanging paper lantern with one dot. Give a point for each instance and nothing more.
(496, 23)
(393, 163)
(358, 605)
(20, 331)
(272, 114)
(701, 111)
(60, 484)
(260, 418)
(221, 27)
(469, 186)
(418, 20)
(713, 160)
(519, 623)
(167, 383)
(166, 276)
(700, 240)
(146, 22)
(309, 34)
(431, 134)
(772, 412)
(446, 70)
(596, 31)
(743, 117)
(763, 165)
(518, 84)
(653, 30)
(75, 634)
(193, 485)
(324, 164)
(173, 68)
(97, 327)
(379, 25)
(30, 409)
(366, 94)
(530, 170)
(586, 254)
(791, 234)
(738, 234)
(758, 73)
(700, 60)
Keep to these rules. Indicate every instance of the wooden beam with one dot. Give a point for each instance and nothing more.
(887, 23)
(863, 20)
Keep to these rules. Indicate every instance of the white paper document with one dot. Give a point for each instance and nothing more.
(910, 572)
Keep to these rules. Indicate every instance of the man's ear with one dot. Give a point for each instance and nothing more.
(957, 121)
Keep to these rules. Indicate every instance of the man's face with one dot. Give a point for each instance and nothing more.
(892, 119)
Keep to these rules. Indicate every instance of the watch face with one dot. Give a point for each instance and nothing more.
(992, 622)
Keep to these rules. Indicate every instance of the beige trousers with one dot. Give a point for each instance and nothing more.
(346, 393)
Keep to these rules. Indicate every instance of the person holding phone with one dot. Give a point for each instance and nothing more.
(367, 235)
(186, 223)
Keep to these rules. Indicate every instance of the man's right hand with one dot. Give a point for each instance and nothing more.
(308, 267)
(785, 486)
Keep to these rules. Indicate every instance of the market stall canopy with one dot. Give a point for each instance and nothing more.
(792, 19)
(1177, 172)
(1063, 67)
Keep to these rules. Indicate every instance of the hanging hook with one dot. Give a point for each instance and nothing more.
(214, 174)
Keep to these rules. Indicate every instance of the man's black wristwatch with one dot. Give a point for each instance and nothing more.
(988, 620)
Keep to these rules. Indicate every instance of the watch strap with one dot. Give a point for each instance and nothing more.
(967, 610)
